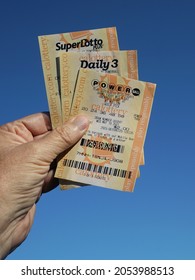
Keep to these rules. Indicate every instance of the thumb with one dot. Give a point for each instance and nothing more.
(62, 138)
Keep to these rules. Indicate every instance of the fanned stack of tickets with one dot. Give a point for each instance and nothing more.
(86, 73)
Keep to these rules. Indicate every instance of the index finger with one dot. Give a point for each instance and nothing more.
(37, 124)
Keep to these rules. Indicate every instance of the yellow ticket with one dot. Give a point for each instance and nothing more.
(109, 153)
(123, 63)
(50, 45)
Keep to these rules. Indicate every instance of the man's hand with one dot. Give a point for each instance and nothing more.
(28, 148)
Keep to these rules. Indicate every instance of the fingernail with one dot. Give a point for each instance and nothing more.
(81, 122)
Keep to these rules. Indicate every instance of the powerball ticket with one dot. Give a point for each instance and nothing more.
(124, 63)
(109, 153)
(50, 45)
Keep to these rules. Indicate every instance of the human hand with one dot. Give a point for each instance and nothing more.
(28, 149)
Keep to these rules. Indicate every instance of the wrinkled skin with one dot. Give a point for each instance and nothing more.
(28, 149)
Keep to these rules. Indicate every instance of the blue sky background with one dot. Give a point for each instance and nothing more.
(157, 221)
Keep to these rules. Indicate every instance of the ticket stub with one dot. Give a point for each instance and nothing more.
(109, 153)
(123, 63)
(50, 45)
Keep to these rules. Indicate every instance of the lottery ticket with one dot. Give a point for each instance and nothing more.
(109, 153)
(124, 63)
(50, 45)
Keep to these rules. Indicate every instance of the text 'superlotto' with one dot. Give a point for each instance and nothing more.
(85, 72)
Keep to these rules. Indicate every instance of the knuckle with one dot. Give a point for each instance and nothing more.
(65, 134)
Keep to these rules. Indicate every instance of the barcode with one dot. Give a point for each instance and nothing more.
(97, 168)
(102, 145)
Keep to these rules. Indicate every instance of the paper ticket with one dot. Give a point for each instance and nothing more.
(109, 153)
(50, 45)
(123, 63)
